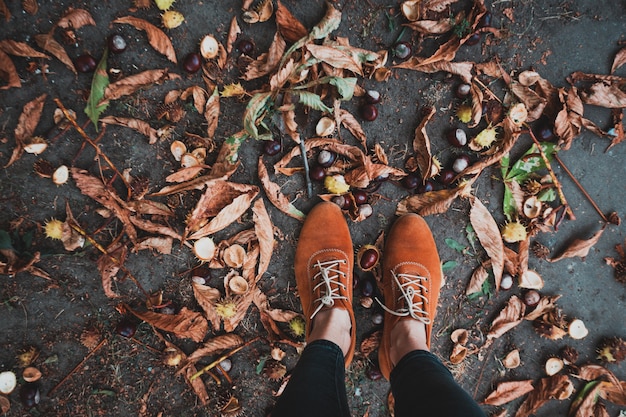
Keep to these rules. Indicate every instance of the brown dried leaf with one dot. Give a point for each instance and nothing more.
(76, 18)
(206, 297)
(135, 124)
(431, 27)
(606, 95)
(26, 125)
(4, 10)
(371, 343)
(476, 282)
(8, 72)
(16, 48)
(510, 316)
(266, 62)
(337, 58)
(552, 387)
(185, 174)
(185, 324)
(614, 393)
(109, 265)
(489, 236)
(346, 119)
(30, 6)
(619, 60)
(233, 31)
(215, 345)
(546, 304)
(288, 25)
(157, 38)
(421, 146)
(157, 228)
(234, 199)
(462, 69)
(212, 113)
(47, 43)
(508, 391)
(459, 352)
(130, 84)
(94, 188)
(593, 372)
(199, 97)
(276, 197)
(264, 230)
(269, 315)
(579, 247)
(433, 202)
(159, 243)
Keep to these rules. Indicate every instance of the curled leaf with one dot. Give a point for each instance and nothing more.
(185, 324)
(76, 18)
(510, 316)
(508, 391)
(488, 234)
(47, 43)
(579, 247)
(157, 38)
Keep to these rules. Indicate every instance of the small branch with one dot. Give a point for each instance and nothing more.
(305, 162)
(77, 367)
(221, 358)
(556, 182)
(581, 188)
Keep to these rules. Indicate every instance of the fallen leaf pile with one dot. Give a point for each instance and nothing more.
(305, 75)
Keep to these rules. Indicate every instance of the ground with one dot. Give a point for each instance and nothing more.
(127, 376)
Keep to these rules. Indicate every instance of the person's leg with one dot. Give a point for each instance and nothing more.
(412, 277)
(323, 269)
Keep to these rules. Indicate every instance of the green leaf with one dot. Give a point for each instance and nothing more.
(234, 143)
(5, 240)
(257, 106)
(345, 86)
(549, 194)
(505, 164)
(261, 365)
(448, 266)
(530, 162)
(508, 203)
(485, 289)
(99, 83)
(312, 100)
(470, 234)
(453, 244)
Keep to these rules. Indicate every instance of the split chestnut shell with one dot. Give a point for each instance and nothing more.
(368, 257)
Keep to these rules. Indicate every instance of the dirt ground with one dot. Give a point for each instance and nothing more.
(112, 375)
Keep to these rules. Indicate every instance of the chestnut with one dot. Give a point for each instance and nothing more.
(531, 298)
(427, 187)
(245, 46)
(377, 318)
(462, 90)
(326, 158)
(360, 197)
(460, 163)
(85, 63)
(342, 202)
(457, 137)
(29, 394)
(368, 112)
(367, 287)
(485, 20)
(507, 282)
(126, 327)
(368, 257)
(402, 50)
(373, 373)
(473, 39)
(117, 44)
(317, 173)
(411, 181)
(372, 97)
(192, 62)
(447, 176)
(272, 147)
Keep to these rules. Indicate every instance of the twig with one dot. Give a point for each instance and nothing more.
(221, 358)
(305, 162)
(80, 130)
(556, 182)
(482, 370)
(77, 367)
(581, 188)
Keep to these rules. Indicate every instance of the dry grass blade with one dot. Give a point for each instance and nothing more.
(156, 37)
(75, 19)
(488, 234)
(47, 43)
(508, 391)
(185, 324)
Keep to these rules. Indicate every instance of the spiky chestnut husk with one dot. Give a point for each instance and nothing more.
(231, 408)
(54, 229)
(514, 232)
(485, 138)
(27, 356)
(367, 257)
(569, 355)
(274, 370)
(297, 326)
(612, 350)
(532, 187)
(226, 308)
(172, 19)
(464, 113)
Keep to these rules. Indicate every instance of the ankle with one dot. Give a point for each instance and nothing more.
(407, 336)
(333, 325)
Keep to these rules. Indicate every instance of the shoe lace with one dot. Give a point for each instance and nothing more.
(329, 285)
(413, 299)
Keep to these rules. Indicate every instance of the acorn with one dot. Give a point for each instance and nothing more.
(368, 257)
(117, 44)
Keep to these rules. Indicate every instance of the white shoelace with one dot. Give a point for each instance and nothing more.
(415, 309)
(329, 276)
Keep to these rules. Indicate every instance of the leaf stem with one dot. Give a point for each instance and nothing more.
(221, 358)
(77, 367)
(305, 162)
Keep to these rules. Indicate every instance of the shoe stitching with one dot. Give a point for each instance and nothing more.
(405, 284)
(329, 275)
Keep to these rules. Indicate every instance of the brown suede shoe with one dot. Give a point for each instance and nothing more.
(411, 280)
(323, 266)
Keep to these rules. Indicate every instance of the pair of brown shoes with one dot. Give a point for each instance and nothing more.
(411, 273)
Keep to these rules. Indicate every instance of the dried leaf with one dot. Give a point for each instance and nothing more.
(264, 230)
(267, 62)
(553, 387)
(346, 119)
(371, 343)
(16, 48)
(152, 227)
(619, 60)
(132, 83)
(579, 247)
(276, 197)
(488, 234)
(185, 324)
(462, 69)
(508, 391)
(336, 57)
(157, 38)
(458, 354)
(30, 6)
(479, 276)
(509, 317)
(212, 113)
(135, 124)
(233, 32)
(206, 297)
(269, 315)
(26, 125)
(431, 27)
(614, 393)
(593, 372)
(215, 345)
(47, 43)
(421, 146)
(159, 243)
(433, 202)
(8, 72)
(288, 25)
(546, 304)
(75, 19)
(4, 10)
(109, 265)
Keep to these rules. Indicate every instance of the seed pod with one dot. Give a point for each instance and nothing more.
(368, 257)
(209, 47)
(8, 381)
(577, 329)
(31, 374)
(325, 127)
(234, 256)
(35, 145)
(553, 366)
(512, 359)
(61, 175)
(178, 149)
(531, 280)
(172, 356)
(204, 249)
(238, 285)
